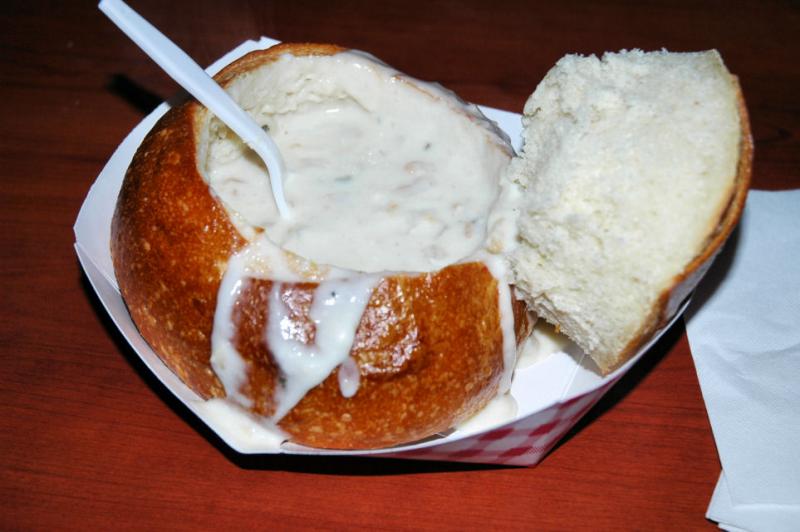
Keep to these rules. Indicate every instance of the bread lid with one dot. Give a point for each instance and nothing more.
(634, 170)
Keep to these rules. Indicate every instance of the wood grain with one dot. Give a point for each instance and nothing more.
(90, 440)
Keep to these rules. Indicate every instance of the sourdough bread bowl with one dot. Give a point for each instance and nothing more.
(231, 296)
(174, 236)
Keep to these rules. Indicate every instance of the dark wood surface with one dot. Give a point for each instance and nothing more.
(90, 440)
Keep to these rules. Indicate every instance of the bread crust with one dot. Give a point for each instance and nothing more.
(684, 283)
(429, 350)
(429, 347)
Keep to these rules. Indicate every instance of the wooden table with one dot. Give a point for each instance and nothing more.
(90, 440)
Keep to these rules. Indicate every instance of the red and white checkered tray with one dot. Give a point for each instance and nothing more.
(523, 443)
(551, 395)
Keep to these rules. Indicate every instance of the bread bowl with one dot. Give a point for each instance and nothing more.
(174, 243)
(172, 240)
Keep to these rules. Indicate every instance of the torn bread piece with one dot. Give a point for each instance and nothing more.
(634, 170)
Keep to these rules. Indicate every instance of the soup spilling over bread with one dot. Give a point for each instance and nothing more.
(373, 316)
(391, 305)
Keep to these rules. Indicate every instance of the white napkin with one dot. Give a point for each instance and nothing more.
(744, 331)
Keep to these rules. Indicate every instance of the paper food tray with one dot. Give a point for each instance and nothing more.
(552, 395)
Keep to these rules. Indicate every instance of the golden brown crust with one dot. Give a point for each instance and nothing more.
(684, 283)
(429, 347)
(170, 241)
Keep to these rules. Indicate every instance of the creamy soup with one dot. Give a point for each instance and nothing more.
(383, 172)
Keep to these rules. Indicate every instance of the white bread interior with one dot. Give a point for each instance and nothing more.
(629, 162)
